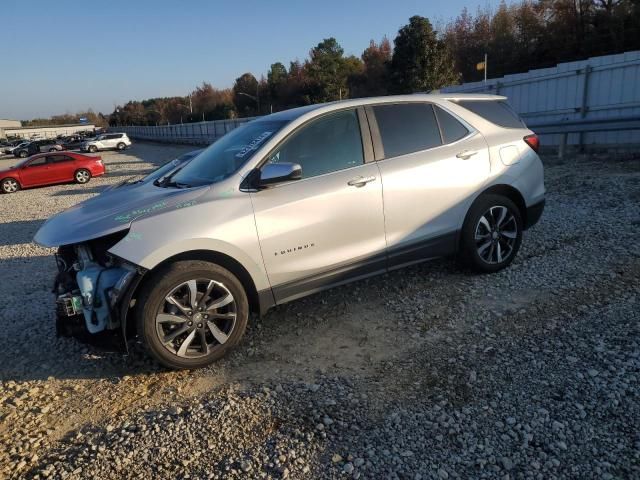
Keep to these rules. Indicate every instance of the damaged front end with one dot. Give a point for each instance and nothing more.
(93, 288)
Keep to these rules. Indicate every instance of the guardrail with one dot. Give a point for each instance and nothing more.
(585, 126)
(199, 133)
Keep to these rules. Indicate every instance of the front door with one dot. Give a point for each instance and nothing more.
(36, 172)
(328, 227)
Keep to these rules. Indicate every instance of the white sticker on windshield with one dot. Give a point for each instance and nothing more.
(254, 144)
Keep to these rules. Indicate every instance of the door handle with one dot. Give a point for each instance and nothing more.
(466, 154)
(360, 181)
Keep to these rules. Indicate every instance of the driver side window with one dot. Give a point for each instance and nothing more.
(38, 162)
(328, 144)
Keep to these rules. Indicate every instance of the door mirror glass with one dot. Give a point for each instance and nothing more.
(273, 173)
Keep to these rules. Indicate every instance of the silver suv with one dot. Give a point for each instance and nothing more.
(107, 141)
(291, 204)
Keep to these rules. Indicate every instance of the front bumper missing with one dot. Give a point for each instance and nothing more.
(99, 300)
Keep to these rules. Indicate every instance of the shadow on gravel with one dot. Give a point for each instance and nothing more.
(17, 232)
(83, 191)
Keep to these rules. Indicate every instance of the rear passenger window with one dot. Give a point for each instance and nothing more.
(407, 128)
(451, 128)
(497, 112)
(59, 158)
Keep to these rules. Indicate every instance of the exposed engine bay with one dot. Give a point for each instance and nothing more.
(93, 288)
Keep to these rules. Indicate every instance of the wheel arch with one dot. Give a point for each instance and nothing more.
(511, 193)
(499, 189)
(12, 177)
(256, 304)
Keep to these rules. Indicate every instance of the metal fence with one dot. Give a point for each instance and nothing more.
(201, 133)
(597, 90)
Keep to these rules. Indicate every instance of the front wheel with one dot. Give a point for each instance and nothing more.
(491, 234)
(52, 150)
(23, 154)
(10, 185)
(191, 313)
(121, 146)
(93, 148)
(82, 176)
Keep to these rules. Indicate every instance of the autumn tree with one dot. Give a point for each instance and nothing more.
(328, 71)
(420, 61)
(374, 79)
(246, 95)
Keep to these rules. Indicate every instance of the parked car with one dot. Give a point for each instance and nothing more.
(71, 142)
(37, 146)
(11, 146)
(50, 168)
(290, 204)
(107, 141)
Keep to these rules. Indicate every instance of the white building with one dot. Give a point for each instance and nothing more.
(50, 131)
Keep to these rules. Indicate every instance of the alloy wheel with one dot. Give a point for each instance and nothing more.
(10, 185)
(82, 176)
(195, 317)
(496, 234)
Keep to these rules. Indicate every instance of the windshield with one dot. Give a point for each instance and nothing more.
(170, 166)
(225, 156)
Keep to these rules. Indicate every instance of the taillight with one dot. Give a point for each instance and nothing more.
(533, 141)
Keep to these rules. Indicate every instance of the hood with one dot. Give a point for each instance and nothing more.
(112, 211)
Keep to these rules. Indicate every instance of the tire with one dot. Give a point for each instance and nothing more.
(121, 146)
(93, 148)
(82, 176)
(53, 150)
(23, 154)
(490, 241)
(9, 185)
(165, 337)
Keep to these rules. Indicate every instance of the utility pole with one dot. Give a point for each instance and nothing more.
(485, 68)
(191, 104)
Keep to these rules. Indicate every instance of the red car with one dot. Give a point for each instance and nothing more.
(51, 168)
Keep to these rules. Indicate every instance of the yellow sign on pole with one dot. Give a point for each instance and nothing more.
(480, 66)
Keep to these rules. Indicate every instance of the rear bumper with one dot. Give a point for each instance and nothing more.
(534, 212)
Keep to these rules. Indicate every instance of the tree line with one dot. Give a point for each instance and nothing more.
(517, 37)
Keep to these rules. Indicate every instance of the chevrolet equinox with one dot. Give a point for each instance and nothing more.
(290, 204)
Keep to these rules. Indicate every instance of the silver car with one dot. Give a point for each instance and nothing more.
(290, 204)
(107, 141)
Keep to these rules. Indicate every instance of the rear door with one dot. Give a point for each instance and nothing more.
(328, 227)
(110, 141)
(432, 164)
(61, 167)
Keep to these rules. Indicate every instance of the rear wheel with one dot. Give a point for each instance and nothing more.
(23, 154)
(10, 185)
(82, 176)
(52, 149)
(121, 146)
(191, 313)
(93, 148)
(491, 235)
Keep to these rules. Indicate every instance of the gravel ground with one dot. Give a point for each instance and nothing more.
(428, 372)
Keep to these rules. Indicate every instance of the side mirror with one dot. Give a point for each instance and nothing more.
(273, 173)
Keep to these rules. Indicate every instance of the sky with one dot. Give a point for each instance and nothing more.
(66, 56)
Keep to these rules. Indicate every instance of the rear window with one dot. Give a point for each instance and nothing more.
(406, 128)
(498, 112)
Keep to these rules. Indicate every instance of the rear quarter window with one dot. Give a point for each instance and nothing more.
(498, 112)
(452, 129)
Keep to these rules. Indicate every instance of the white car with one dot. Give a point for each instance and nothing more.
(107, 141)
